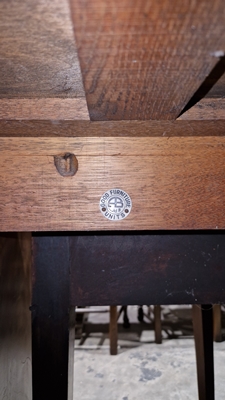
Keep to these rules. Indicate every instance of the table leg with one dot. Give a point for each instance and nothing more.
(15, 318)
(203, 333)
(52, 319)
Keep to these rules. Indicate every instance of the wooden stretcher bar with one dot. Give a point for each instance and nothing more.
(174, 183)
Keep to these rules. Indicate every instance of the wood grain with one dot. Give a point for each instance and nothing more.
(206, 109)
(42, 109)
(107, 129)
(145, 59)
(175, 183)
(15, 318)
(38, 54)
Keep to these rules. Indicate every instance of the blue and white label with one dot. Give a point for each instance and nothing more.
(115, 204)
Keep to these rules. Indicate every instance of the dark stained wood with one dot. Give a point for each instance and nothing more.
(107, 129)
(203, 333)
(15, 318)
(157, 324)
(154, 268)
(72, 320)
(175, 183)
(217, 323)
(145, 59)
(51, 323)
(113, 336)
(163, 268)
(38, 55)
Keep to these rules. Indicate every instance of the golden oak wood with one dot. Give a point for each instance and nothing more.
(174, 183)
(145, 59)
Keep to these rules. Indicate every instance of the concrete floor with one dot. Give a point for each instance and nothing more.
(141, 370)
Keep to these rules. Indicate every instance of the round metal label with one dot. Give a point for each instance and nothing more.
(115, 204)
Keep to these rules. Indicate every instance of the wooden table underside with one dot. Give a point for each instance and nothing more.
(134, 93)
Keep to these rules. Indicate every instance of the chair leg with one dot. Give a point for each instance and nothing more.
(203, 334)
(217, 323)
(140, 314)
(113, 330)
(157, 324)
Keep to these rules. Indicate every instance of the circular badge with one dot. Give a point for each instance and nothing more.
(115, 204)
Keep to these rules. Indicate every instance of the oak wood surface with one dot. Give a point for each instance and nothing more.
(174, 183)
(42, 109)
(206, 109)
(106, 129)
(38, 54)
(40, 71)
(145, 59)
(15, 318)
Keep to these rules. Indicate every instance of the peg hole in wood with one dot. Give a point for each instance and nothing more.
(66, 164)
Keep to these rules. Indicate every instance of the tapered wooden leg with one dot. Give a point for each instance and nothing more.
(52, 319)
(113, 336)
(203, 334)
(217, 323)
(157, 324)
